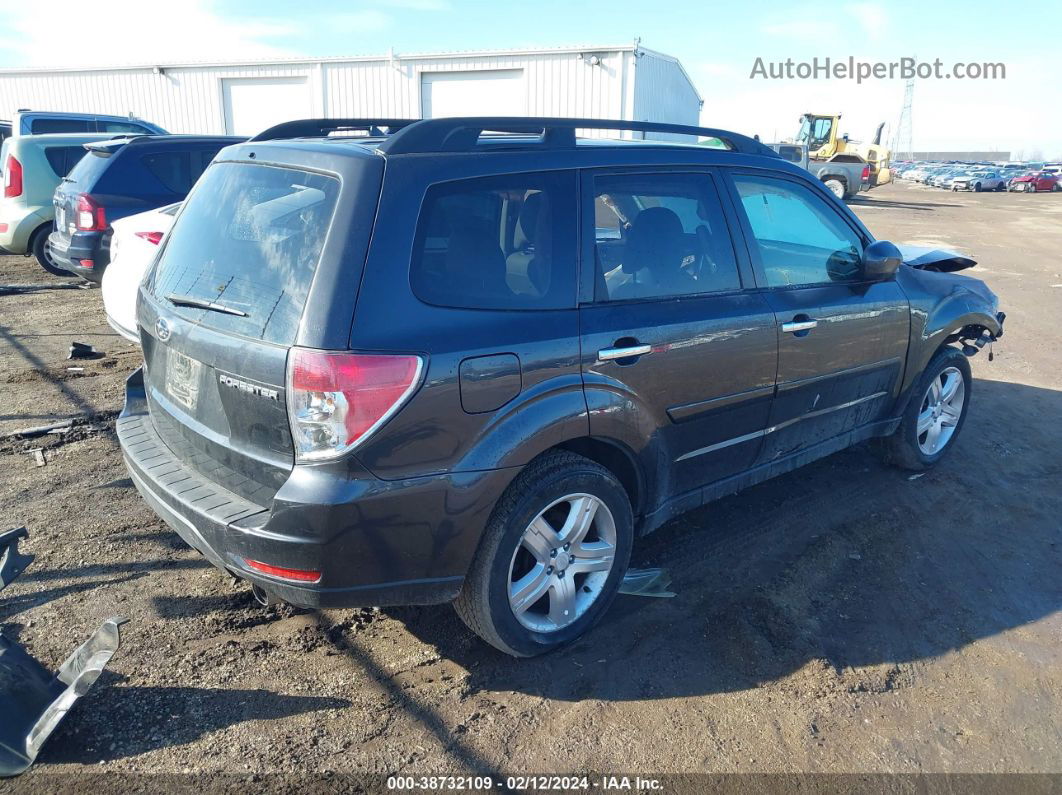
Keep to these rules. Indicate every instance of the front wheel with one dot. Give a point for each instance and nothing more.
(977, 187)
(552, 557)
(935, 414)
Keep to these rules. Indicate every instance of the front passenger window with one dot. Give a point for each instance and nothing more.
(801, 240)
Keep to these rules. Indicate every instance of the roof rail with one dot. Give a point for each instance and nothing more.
(320, 128)
(462, 134)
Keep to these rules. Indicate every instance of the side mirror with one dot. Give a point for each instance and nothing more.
(880, 261)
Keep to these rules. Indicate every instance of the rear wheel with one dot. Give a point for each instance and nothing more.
(552, 557)
(935, 414)
(43, 255)
(836, 187)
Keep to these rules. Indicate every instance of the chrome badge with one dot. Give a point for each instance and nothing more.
(248, 388)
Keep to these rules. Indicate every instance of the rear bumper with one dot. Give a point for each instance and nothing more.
(70, 251)
(375, 542)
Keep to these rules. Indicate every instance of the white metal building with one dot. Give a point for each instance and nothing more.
(626, 82)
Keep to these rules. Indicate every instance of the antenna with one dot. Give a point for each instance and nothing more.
(901, 141)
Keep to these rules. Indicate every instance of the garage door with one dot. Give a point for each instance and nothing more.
(498, 92)
(253, 104)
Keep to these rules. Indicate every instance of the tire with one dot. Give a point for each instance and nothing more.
(1002, 186)
(836, 187)
(977, 187)
(39, 247)
(904, 448)
(541, 492)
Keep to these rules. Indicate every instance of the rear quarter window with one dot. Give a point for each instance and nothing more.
(62, 159)
(249, 238)
(498, 243)
(172, 169)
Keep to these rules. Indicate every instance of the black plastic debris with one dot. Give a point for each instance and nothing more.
(32, 700)
(82, 350)
(647, 582)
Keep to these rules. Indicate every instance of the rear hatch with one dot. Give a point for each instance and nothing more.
(74, 193)
(219, 312)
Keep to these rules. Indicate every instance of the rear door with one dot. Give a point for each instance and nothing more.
(842, 341)
(678, 354)
(215, 376)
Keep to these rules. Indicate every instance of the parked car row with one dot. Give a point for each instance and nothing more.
(982, 177)
(117, 178)
(68, 177)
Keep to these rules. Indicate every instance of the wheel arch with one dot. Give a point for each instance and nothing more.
(41, 229)
(617, 459)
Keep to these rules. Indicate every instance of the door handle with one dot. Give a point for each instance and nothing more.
(796, 326)
(608, 354)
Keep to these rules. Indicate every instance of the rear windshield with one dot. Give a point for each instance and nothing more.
(248, 239)
(90, 167)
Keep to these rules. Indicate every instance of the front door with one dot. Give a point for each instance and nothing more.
(842, 341)
(676, 349)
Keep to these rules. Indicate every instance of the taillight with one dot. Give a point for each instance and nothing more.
(12, 177)
(866, 172)
(336, 400)
(150, 237)
(90, 216)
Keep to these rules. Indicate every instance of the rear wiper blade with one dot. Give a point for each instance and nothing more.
(202, 303)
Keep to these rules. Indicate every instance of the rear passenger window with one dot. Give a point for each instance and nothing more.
(660, 235)
(172, 169)
(498, 243)
(42, 126)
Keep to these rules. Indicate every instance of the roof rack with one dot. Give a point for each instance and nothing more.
(463, 134)
(319, 128)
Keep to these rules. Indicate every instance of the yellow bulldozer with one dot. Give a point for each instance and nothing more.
(818, 131)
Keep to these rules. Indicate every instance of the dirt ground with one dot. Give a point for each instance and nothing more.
(842, 618)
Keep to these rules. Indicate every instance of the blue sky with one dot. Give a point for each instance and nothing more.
(717, 43)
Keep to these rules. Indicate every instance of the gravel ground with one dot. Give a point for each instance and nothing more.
(844, 618)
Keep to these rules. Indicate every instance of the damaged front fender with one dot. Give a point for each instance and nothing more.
(32, 700)
(946, 308)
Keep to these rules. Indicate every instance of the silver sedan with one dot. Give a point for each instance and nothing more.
(979, 181)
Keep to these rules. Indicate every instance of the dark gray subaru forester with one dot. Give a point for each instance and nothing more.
(397, 362)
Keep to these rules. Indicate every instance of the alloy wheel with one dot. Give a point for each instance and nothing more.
(561, 565)
(940, 411)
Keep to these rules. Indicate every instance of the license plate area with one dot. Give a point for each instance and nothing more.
(183, 378)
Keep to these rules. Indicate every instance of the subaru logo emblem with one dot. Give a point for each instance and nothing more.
(162, 329)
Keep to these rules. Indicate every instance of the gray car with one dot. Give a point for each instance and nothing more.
(474, 359)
